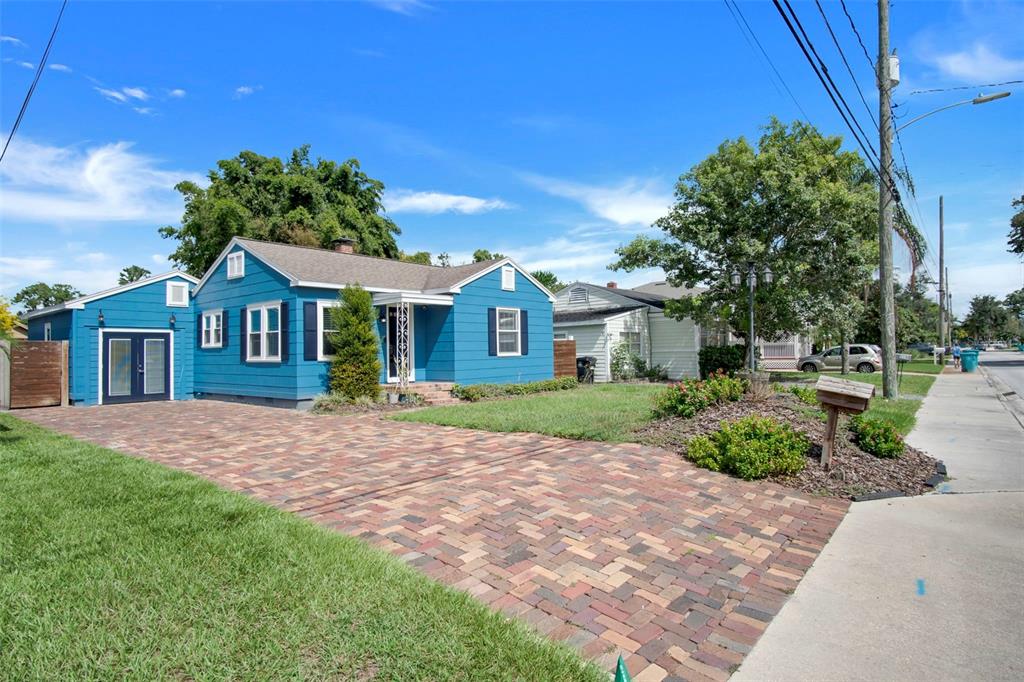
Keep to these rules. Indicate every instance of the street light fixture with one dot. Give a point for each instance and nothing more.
(980, 99)
(767, 276)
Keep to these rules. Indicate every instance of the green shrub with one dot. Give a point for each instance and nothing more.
(355, 370)
(626, 364)
(475, 392)
(729, 359)
(805, 394)
(751, 448)
(877, 437)
(690, 396)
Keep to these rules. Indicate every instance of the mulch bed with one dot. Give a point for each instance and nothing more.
(854, 472)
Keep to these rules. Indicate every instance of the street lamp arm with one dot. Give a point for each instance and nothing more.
(980, 99)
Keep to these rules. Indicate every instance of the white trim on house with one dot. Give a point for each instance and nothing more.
(47, 331)
(508, 278)
(172, 288)
(132, 330)
(498, 331)
(322, 305)
(79, 303)
(457, 288)
(264, 307)
(236, 265)
(389, 298)
(217, 314)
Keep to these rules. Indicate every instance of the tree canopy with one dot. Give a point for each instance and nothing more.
(304, 202)
(917, 316)
(1016, 236)
(988, 319)
(132, 273)
(796, 203)
(548, 279)
(483, 254)
(42, 295)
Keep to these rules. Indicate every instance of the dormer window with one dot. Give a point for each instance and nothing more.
(578, 295)
(177, 294)
(236, 264)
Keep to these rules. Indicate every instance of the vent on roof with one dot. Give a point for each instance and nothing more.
(578, 295)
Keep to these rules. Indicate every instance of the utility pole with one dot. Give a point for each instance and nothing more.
(890, 387)
(942, 283)
(949, 310)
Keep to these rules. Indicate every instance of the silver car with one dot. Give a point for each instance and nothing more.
(863, 358)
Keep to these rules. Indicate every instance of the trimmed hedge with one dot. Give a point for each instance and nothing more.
(475, 392)
(876, 437)
(729, 359)
(751, 448)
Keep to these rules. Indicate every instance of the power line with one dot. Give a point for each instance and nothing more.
(870, 157)
(849, 70)
(750, 44)
(35, 81)
(867, 56)
(965, 87)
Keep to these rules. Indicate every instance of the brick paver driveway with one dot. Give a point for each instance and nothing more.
(611, 548)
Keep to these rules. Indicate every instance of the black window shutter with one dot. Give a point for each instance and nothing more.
(242, 340)
(199, 330)
(492, 331)
(224, 328)
(285, 335)
(524, 332)
(309, 330)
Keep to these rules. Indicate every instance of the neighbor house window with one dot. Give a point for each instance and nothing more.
(177, 294)
(561, 336)
(508, 278)
(213, 326)
(508, 331)
(264, 332)
(578, 295)
(325, 351)
(236, 264)
(47, 332)
(631, 339)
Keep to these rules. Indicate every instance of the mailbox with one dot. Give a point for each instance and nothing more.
(840, 395)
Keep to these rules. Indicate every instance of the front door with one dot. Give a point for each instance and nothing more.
(399, 342)
(136, 367)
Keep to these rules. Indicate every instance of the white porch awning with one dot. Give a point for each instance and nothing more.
(412, 297)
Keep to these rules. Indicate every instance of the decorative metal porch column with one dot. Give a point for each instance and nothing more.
(403, 312)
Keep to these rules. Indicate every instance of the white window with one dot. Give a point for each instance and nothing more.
(578, 295)
(236, 264)
(177, 294)
(47, 332)
(562, 336)
(508, 278)
(508, 331)
(264, 332)
(325, 327)
(213, 329)
(631, 339)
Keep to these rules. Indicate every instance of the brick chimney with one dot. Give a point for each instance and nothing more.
(613, 285)
(344, 245)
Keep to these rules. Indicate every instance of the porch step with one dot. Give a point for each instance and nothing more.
(433, 393)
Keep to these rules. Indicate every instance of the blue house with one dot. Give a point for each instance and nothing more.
(256, 326)
(126, 344)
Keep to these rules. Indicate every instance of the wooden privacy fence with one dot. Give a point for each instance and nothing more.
(33, 374)
(565, 358)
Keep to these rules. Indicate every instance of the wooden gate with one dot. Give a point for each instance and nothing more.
(34, 374)
(565, 358)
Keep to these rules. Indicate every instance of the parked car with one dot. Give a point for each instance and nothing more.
(864, 358)
(922, 347)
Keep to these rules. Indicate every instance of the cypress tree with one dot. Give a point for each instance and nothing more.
(355, 371)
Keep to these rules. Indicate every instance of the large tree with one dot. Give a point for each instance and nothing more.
(548, 279)
(796, 203)
(303, 202)
(917, 316)
(132, 273)
(986, 319)
(42, 295)
(481, 255)
(1016, 236)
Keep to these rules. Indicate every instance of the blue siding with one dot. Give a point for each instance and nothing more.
(221, 370)
(472, 363)
(438, 353)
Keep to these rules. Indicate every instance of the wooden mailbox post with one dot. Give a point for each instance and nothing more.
(840, 395)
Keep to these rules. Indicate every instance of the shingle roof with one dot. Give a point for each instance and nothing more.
(308, 264)
(664, 289)
(595, 314)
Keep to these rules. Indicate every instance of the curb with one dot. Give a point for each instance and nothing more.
(1012, 403)
(934, 480)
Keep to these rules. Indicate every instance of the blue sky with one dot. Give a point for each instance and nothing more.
(552, 132)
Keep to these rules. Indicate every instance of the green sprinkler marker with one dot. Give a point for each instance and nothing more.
(621, 673)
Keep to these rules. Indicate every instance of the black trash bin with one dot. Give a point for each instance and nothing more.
(585, 365)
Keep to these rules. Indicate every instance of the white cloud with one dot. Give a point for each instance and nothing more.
(112, 95)
(177, 93)
(980, 64)
(20, 271)
(631, 202)
(159, 259)
(145, 111)
(406, 7)
(63, 68)
(93, 258)
(25, 65)
(12, 40)
(246, 90)
(136, 93)
(48, 184)
(408, 201)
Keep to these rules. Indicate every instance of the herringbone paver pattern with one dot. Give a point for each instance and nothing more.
(609, 547)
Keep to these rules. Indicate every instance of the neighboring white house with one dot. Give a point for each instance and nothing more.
(599, 318)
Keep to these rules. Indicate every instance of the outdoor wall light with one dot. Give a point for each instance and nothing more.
(173, 319)
(99, 318)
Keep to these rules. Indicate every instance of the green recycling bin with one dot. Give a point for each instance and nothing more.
(969, 360)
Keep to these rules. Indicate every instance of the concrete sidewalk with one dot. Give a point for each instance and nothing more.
(920, 588)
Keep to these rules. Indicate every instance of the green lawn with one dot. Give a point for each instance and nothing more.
(901, 412)
(113, 567)
(597, 412)
(910, 384)
(923, 366)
